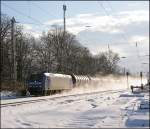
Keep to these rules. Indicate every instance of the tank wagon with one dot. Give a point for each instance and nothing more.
(49, 83)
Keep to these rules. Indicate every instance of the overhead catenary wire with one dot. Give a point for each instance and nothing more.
(123, 34)
(47, 14)
(23, 14)
(107, 13)
(129, 19)
(39, 22)
(112, 10)
(36, 22)
(43, 10)
(23, 22)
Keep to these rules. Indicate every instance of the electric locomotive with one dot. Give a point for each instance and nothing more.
(49, 83)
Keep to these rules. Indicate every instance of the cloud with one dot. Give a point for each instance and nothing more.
(97, 41)
(27, 27)
(110, 24)
(114, 24)
(32, 30)
(137, 38)
(134, 16)
(36, 34)
(121, 31)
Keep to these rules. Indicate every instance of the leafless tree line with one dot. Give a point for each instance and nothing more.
(55, 51)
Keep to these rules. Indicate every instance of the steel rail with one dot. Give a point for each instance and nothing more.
(52, 98)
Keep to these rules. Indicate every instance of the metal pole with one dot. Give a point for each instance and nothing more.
(13, 49)
(124, 70)
(63, 46)
(64, 9)
(108, 48)
(109, 58)
(141, 77)
(108, 51)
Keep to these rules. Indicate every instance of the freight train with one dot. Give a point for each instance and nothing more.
(50, 83)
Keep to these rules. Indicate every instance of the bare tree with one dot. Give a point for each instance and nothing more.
(5, 47)
(107, 62)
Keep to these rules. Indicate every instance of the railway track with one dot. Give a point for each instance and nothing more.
(52, 98)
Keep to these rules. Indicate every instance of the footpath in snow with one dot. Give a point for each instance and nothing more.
(119, 108)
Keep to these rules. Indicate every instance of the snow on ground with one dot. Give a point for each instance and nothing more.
(8, 95)
(117, 108)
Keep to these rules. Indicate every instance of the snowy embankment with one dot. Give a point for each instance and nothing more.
(117, 108)
(8, 95)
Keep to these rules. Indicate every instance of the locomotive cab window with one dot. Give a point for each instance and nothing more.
(35, 77)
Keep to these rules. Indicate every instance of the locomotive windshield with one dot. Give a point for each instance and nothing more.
(37, 77)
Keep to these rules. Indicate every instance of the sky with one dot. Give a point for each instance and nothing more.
(119, 24)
